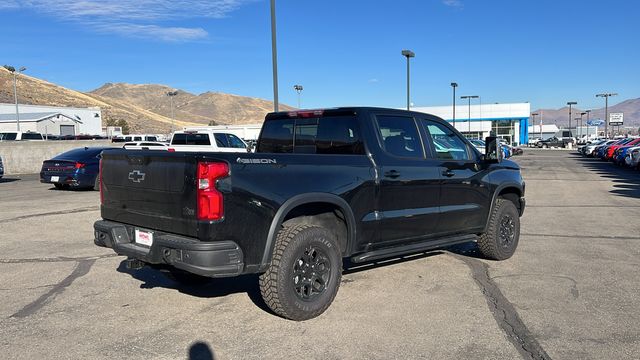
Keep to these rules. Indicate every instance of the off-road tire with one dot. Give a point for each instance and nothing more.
(185, 277)
(278, 284)
(496, 245)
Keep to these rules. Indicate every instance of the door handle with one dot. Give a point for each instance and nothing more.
(392, 174)
(448, 173)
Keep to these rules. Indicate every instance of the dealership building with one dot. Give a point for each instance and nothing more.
(51, 120)
(507, 121)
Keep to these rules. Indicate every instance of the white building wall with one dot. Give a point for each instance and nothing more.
(26, 126)
(91, 124)
(484, 111)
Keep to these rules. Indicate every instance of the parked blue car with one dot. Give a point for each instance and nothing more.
(77, 168)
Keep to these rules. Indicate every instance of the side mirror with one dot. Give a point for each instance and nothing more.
(492, 150)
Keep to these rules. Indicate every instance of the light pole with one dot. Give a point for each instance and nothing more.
(570, 103)
(171, 94)
(533, 120)
(454, 85)
(274, 55)
(15, 73)
(606, 111)
(581, 115)
(408, 54)
(469, 97)
(298, 89)
(588, 113)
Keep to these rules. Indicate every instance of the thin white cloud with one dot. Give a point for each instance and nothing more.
(454, 3)
(133, 18)
(373, 81)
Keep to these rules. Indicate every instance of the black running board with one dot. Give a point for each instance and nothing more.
(412, 248)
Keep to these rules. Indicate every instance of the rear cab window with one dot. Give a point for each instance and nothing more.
(8, 136)
(314, 135)
(190, 139)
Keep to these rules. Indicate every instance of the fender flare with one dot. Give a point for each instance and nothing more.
(302, 199)
(495, 197)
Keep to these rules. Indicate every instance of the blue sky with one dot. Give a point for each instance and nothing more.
(343, 52)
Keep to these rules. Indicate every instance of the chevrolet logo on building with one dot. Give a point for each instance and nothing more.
(136, 176)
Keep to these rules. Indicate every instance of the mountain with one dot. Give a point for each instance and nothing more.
(209, 107)
(146, 108)
(34, 91)
(560, 117)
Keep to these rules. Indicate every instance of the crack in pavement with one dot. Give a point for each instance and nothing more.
(504, 313)
(609, 237)
(81, 269)
(55, 259)
(61, 212)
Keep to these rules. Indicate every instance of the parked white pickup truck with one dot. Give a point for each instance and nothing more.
(206, 140)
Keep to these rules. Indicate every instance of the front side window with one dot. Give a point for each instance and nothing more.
(400, 136)
(448, 145)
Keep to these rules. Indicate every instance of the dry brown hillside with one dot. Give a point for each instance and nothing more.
(39, 92)
(208, 107)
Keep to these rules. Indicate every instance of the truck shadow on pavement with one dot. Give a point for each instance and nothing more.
(214, 288)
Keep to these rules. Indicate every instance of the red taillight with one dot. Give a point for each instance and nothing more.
(171, 150)
(79, 165)
(100, 184)
(210, 200)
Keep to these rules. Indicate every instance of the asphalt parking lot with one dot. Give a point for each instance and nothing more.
(570, 292)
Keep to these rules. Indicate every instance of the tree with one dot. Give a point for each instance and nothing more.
(119, 122)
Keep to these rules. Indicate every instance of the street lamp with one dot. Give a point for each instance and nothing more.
(469, 97)
(533, 120)
(15, 73)
(171, 94)
(570, 103)
(298, 89)
(606, 111)
(454, 85)
(588, 113)
(408, 54)
(581, 115)
(274, 55)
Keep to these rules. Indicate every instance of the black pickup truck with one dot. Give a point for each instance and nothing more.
(323, 185)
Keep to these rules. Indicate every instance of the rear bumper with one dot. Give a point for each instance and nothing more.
(79, 180)
(211, 259)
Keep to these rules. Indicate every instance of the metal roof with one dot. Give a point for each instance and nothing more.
(34, 117)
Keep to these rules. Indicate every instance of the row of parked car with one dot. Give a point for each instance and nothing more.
(624, 152)
(79, 168)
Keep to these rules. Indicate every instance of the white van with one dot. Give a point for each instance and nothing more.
(20, 136)
(206, 140)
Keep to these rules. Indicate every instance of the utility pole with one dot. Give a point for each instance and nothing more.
(15, 73)
(533, 121)
(606, 111)
(454, 85)
(408, 54)
(469, 97)
(274, 55)
(171, 94)
(298, 89)
(570, 103)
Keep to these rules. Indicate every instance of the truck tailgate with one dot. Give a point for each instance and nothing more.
(150, 189)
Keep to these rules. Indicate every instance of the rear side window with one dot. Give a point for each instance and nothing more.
(151, 138)
(8, 136)
(190, 139)
(324, 135)
(31, 136)
(221, 140)
(400, 136)
(228, 141)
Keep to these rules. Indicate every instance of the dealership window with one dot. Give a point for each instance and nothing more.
(505, 129)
